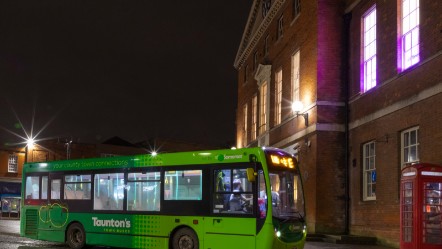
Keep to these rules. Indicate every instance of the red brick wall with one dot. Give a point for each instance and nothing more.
(403, 90)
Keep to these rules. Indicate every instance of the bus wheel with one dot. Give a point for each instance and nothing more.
(185, 238)
(76, 237)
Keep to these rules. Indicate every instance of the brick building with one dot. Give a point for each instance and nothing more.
(13, 158)
(365, 78)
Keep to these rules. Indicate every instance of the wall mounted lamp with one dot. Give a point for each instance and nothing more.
(297, 107)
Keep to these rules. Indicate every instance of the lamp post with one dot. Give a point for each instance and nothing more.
(297, 107)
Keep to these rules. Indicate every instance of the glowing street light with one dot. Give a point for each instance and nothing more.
(30, 142)
(297, 107)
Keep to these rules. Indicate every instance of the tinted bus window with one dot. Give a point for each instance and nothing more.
(109, 191)
(183, 185)
(32, 187)
(77, 187)
(143, 191)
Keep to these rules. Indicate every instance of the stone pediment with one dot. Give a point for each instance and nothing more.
(256, 26)
(263, 73)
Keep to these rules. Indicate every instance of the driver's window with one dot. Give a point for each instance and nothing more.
(232, 192)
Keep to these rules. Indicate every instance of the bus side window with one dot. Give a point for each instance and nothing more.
(32, 187)
(44, 187)
(77, 187)
(143, 191)
(109, 191)
(55, 189)
(183, 185)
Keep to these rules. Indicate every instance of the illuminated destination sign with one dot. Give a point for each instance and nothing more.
(282, 161)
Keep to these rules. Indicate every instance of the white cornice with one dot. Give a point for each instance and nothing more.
(247, 45)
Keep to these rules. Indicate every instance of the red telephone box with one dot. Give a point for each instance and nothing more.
(421, 207)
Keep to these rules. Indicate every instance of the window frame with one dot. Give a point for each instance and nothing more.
(368, 167)
(263, 90)
(296, 65)
(278, 97)
(254, 124)
(266, 45)
(369, 54)
(407, 146)
(409, 34)
(296, 8)
(280, 29)
(245, 127)
(13, 163)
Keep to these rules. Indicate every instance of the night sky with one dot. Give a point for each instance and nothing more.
(92, 70)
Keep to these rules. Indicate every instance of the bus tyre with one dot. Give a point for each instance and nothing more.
(76, 237)
(185, 238)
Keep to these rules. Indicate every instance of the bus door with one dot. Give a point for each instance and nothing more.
(233, 220)
(55, 213)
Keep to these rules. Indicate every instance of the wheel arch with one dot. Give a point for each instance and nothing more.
(70, 224)
(176, 229)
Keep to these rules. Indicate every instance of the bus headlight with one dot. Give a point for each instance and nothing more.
(278, 234)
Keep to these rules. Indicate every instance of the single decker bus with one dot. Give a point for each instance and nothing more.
(216, 199)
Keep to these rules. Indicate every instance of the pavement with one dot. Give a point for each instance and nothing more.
(322, 245)
(12, 227)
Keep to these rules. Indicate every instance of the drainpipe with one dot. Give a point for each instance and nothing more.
(345, 80)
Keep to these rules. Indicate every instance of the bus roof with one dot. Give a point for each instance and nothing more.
(146, 160)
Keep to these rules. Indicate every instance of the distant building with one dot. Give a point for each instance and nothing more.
(364, 79)
(13, 158)
(167, 145)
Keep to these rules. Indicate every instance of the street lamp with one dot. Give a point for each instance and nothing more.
(297, 107)
(29, 146)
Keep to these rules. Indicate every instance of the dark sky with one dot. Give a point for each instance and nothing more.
(134, 69)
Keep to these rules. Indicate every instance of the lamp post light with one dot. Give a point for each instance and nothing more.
(297, 107)
(29, 146)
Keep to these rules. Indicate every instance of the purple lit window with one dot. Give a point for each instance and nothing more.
(410, 33)
(369, 49)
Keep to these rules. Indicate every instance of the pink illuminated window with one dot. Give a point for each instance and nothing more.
(410, 33)
(369, 49)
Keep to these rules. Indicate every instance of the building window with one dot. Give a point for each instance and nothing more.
(246, 72)
(280, 27)
(369, 165)
(255, 60)
(254, 118)
(13, 163)
(410, 146)
(278, 96)
(410, 33)
(295, 76)
(296, 8)
(244, 109)
(266, 45)
(266, 4)
(369, 49)
(263, 108)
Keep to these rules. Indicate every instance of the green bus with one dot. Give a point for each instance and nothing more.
(243, 198)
